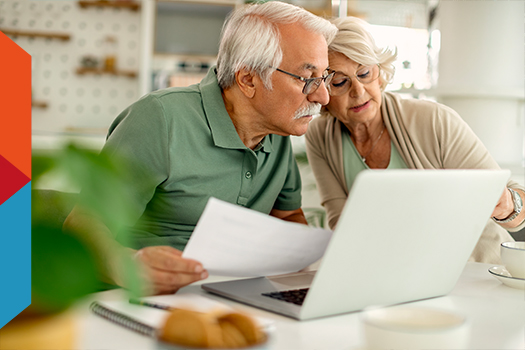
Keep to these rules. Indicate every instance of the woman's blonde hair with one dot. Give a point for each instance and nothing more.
(355, 42)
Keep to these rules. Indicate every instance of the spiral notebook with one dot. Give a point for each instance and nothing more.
(123, 320)
(147, 315)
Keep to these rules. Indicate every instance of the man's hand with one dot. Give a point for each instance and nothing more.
(290, 215)
(166, 269)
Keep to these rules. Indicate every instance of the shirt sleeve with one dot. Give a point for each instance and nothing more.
(290, 196)
(138, 138)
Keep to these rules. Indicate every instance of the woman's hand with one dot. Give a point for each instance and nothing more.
(505, 206)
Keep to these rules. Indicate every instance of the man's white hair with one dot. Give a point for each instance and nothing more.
(250, 38)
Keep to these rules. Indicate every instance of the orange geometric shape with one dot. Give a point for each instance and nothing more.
(15, 105)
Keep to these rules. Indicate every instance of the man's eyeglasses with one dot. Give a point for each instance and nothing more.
(311, 84)
(341, 83)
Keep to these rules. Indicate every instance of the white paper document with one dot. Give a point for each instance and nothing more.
(230, 240)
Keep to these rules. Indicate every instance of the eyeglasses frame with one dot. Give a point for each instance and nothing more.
(308, 81)
(355, 75)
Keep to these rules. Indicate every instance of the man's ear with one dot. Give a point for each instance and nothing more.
(246, 81)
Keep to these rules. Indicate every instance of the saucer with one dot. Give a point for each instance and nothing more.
(505, 277)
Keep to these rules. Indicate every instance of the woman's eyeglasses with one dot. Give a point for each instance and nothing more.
(341, 83)
(311, 84)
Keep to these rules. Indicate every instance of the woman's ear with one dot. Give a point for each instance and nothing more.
(246, 82)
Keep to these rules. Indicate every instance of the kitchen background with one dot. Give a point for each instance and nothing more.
(91, 59)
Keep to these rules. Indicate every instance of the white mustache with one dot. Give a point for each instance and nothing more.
(312, 109)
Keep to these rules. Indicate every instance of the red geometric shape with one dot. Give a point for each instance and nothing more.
(15, 105)
(11, 180)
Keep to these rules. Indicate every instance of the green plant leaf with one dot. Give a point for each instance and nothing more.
(106, 180)
(62, 269)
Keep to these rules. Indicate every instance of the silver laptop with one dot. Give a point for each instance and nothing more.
(403, 235)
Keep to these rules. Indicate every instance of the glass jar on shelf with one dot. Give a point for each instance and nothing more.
(110, 54)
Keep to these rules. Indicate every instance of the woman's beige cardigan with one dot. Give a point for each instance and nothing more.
(428, 135)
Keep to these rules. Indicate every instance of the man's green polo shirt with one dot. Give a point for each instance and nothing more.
(182, 148)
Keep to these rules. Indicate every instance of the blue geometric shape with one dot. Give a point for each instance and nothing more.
(15, 254)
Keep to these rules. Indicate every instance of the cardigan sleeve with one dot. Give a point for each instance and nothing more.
(462, 149)
(431, 135)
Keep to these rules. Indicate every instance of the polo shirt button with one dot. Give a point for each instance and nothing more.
(248, 175)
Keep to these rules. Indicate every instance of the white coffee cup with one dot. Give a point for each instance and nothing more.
(513, 257)
(411, 327)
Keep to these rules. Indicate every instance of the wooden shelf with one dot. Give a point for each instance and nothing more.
(86, 131)
(100, 71)
(36, 34)
(39, 104)
(132, 5)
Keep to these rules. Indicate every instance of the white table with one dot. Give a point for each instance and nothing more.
(496, 314)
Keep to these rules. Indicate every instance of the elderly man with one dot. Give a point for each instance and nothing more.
(226, 137)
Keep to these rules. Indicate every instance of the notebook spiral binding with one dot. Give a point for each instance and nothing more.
(123, 320)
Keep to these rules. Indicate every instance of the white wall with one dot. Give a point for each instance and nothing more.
(80, 103)
(481, 64)
(481, 72)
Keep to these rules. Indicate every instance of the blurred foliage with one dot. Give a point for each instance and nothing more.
(104, 177)
(301, 158)
(62, 270)
(315, 217)
(304, 166)
(64, 267)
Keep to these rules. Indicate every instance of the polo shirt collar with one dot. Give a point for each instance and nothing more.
(222, 129)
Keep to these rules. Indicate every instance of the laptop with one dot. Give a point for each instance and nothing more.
(403, 235)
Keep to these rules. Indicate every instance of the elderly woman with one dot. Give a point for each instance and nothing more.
(364, 127)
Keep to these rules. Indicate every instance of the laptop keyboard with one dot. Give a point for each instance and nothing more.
(295, 296)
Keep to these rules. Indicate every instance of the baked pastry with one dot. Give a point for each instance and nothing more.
(247, 327)
(231, 330)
